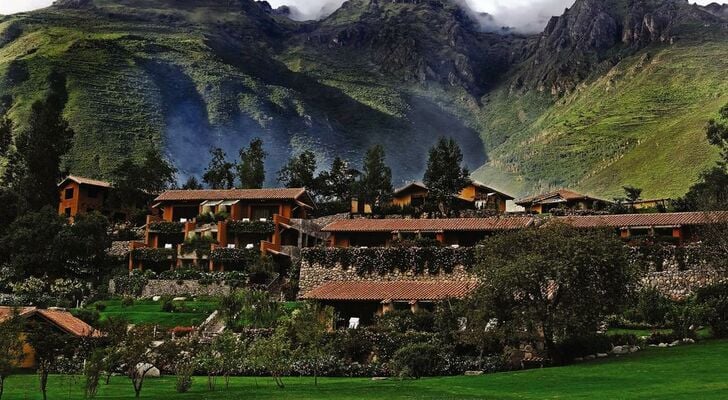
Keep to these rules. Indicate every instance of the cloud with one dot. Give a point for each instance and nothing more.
(14, 6)
(524, 15)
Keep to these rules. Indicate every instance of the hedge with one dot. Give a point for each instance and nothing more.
(385, 260)
(259, 227)
(168, 227)
(153, 255)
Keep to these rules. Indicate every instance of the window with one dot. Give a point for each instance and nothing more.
(69, 194)
(67, 211)
(267, 212)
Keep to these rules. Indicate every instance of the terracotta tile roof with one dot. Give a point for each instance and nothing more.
(413, 185)
(414, 225)
(647, 220)
(85, 181)
(6, 312)
(62, 319)
(232, 194)
(562, 193)
(483, 186)
(391, 290)
(66, 321)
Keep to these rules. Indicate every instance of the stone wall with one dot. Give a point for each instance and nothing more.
(313, 275)
(675, 271)
(192, 288)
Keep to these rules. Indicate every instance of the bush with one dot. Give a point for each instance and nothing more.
(653, 307)
(184, 377)
(569, 349)
(127, 301)
(417, 360)
(100, 307)
(90, 317)
(716, 298)
(405, 320)
(624, 339)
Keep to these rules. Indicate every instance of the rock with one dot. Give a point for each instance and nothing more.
(602, 355)
(379, 378)
(156, 298)
(179, 299)
(634, 349)
(473, 373)
(151, 370)
(663, 345)
(688, 341)
(620, 350)
(579, 359)
(590, 357)
(675, 343)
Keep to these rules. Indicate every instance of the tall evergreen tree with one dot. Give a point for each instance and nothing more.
(338, 183)
(192, 184)
(35, 167)
(445, 177)
(299, 172)
(251, 167)
(375, 186)
(134, 183)
(219, 174)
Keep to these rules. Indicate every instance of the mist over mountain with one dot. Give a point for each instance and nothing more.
(611, 92)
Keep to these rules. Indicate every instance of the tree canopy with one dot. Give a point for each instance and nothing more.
(251, 167)
(375, 185)
(299, 171)
(219, 173)
(445, 176)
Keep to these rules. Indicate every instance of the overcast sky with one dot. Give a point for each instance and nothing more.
(527, 15)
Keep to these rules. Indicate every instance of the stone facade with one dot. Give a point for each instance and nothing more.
(675, 271)
(313, 275)
(192, 288)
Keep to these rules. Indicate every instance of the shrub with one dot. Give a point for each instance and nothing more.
(417, 360)
(166, 227)
(127, 301)
(569, 349)
(716, 298)
(133, 283)
(624, 339)
(405, 320)
(653, 307)
(90, 317)
(183, 382)
(100, 306)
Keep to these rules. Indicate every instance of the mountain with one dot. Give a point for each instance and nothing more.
(612, 92)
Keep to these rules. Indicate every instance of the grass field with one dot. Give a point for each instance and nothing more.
(689, 372)
(150, 312)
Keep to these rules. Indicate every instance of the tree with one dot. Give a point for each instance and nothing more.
(229, 351)
(11, 347)
(251, 167)
(273, 354)
(6, 134)
(192, 184)
(134, 182)
(115, 329)
(631, 193)
(338, 183)
(135, 351)
(375, 186)
(445, 178)
(81, 246)
(308, 325)
(555, 281)
(711, 191)
(49, 347)
(299, 171)
(251, 307)
(35, 166)
(92, 369)
(30, 243)
(219, 174)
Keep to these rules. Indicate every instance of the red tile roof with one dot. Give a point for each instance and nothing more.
(565, 194)
(85, 181)
(231, 194)
(647, 220)
(60, 318)
(391, 290)
(483, 186)
(414, 225)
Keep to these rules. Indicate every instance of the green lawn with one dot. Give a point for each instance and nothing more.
(150, 312)
(689, 372)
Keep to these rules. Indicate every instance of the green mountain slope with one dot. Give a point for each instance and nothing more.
(641, 123)
(611, 93)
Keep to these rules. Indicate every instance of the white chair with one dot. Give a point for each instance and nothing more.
(183, 220)
(231, 246)
(246, 219)
(250, 246)
(263, 219)
(353, 323)
(168, 246)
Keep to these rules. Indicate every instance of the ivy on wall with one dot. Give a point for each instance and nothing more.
(387, 260)
(239, 257)
(149, 254)
(258, 227)
(166, 227)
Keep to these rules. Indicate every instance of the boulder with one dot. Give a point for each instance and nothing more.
(151, 370)
(379, 378)
(590, 357)
(620, 350)
(634, 349)
(473, 373)
(688, 341)
(156, 298)
(675, 343)
(602, 355)
(663, 345)
(179, 299)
